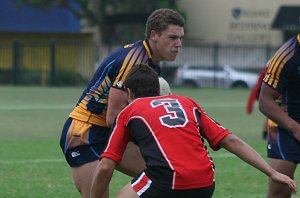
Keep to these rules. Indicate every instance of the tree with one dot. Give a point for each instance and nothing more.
(117, 21)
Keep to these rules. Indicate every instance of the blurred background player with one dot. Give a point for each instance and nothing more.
(87, 129)
(282, 80)
(253, 96)
(170, 132)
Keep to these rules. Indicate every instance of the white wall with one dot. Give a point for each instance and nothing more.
(234, 21)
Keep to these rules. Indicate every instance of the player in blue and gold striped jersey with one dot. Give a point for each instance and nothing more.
(87, 129)
(282, 80)
(92, 106)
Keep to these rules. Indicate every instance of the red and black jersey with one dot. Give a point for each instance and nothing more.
(170, 132)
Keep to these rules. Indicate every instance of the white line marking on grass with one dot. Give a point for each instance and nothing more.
(59, 160)
(32, 161)
(36, 107)
(70, 106)
(220, 104)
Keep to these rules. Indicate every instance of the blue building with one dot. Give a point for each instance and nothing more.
(33, 41)
(30, 19)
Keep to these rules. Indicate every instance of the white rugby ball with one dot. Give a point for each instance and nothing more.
(164, 87)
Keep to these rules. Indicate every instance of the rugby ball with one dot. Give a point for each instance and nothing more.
(164, 87)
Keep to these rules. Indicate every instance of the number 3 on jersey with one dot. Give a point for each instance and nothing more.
(175, 117)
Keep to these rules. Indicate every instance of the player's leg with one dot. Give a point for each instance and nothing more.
(265, 129)
(277, 190)
(283, 153)
(82, 176)
(132, 162)
(82, 144)
(127, 192)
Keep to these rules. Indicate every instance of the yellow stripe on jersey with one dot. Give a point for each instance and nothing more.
(277, 63)
(125, 62)
(147, 49)
(80, 113)
(298, 38)
(102, 88)
(284, 61)
(133, 57)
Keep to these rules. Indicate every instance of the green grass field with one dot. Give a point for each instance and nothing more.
(32, 164)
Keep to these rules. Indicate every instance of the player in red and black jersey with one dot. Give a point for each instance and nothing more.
(170, 132)
(282, 80)
(87, 129)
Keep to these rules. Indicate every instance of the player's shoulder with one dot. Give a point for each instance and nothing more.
(187, 101)
(182, 97)
(289, 45)
(183, 100)
(126, 48)
(133, 45)
(143, 100)
(122, 52)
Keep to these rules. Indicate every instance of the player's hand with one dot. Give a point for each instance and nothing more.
(278, 177)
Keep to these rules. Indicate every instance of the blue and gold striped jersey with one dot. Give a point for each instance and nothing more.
(283, 75)
(92, 105)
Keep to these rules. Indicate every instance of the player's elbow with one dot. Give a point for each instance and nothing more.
(262, 105)
(230, 142)
(105, 169)
(106, 166)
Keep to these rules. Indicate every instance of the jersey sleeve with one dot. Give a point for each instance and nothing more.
(117, 142)
(276, 75)
(136, 55)
(212, 131)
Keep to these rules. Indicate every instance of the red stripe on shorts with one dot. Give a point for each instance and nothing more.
(141, 184)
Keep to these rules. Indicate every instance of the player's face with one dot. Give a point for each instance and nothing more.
(167, 44)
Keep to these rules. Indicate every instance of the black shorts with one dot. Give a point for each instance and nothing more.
(145, 188)
(283, 145)
(83, 142)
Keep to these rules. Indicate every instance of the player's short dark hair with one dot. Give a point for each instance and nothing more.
(143, 81)
(161, 18)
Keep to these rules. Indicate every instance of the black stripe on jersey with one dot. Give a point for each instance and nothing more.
(145, 59)
(157, 165)
(198, 119)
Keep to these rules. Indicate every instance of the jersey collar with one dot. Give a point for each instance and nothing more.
(149, 52)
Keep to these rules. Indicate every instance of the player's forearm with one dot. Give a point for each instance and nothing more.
(276, 114)
(241, 149)
(237, 146)
(101, 178)
(117, 101)
(97, 189)
(272, 110)
(99, 185)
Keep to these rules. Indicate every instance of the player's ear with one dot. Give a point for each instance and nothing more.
(153, 35)
(130, 95)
